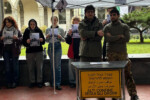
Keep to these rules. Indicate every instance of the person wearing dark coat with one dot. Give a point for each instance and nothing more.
(73, 39)
(33, 39)
(11, 40)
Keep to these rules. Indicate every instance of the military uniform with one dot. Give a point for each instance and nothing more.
(117, 51)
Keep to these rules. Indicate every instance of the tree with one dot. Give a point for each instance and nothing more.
(138, 19)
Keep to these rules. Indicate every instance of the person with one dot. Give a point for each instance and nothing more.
(58, 37)
(11, 39)
(33, 39)
(105, 22)
(73, 39)
(117, 35)
(90, 30)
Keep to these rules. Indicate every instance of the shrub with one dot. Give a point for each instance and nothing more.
(23, 28)
(43, 28)
(145, 36)
(137, 37)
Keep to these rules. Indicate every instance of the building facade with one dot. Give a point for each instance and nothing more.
(24, 10)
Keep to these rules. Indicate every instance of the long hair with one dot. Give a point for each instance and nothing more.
(11, 20)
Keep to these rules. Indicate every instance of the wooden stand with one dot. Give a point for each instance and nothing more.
(100, 79)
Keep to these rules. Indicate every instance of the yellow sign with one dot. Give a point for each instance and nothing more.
(100, 84)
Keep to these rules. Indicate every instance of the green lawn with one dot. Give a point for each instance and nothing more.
(64, 48)
(133, 47)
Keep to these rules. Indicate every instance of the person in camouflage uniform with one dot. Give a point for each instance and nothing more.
(117, 35)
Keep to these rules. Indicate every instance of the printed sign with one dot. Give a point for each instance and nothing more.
(75, 31)
(8, 37)
(100, 84)
(55, 32)
(34, 37)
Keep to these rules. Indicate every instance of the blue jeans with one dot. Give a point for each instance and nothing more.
(11, 67)
(57, 61)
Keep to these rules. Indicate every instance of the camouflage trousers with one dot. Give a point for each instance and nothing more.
(112, 56)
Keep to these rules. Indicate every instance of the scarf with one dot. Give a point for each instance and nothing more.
(8, 33)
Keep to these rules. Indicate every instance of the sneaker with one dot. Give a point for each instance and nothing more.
(58, 88)
(135, 97)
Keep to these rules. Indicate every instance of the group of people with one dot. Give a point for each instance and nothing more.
(11, 40)
(84, 39)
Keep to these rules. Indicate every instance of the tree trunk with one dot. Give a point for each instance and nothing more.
(141, 37)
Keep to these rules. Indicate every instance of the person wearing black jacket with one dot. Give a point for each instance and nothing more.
(33, 39)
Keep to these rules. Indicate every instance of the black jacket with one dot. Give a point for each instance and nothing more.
(26, 36)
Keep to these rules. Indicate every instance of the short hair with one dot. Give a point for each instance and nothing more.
(89, 7)
(75, 18)
(112, 8)
(115, 11)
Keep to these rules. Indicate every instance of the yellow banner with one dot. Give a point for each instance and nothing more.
(100, 84)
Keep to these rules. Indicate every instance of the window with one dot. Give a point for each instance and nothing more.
(7, 8)
(62, 17)
(71, 13)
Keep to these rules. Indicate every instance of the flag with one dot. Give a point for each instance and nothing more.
(61, 5)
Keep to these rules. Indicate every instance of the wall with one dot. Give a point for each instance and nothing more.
(140, 70)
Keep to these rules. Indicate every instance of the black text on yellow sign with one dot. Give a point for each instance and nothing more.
(100, 83)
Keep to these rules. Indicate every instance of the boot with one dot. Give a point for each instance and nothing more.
(135, 97)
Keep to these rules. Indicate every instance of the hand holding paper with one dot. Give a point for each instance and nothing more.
(55, 32)
(75, 28)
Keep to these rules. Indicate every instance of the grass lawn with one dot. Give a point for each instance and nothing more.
(64, 48)
(133, 47)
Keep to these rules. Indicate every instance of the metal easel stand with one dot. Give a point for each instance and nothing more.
(52, 7)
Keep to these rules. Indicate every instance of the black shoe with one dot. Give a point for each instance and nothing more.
(58, 88)
(72, 86)
(135, 97)
(39, 85)
(9, 86)
(114, 99)
(101, 99)
(13, 85)
(31, 85)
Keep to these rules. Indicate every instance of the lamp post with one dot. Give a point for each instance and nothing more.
(1, 12)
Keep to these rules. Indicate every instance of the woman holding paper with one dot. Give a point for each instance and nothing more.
(58, 37)
(11, 38)
(73, 39)
(33, 39)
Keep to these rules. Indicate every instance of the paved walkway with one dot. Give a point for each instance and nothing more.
(67, 93)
